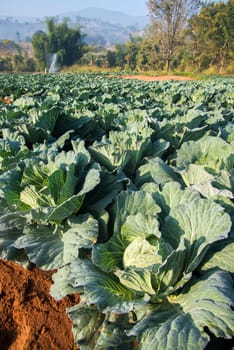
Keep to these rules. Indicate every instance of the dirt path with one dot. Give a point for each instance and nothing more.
(156, 78)
(30, 319)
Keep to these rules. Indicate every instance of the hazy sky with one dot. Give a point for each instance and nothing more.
(38, 8)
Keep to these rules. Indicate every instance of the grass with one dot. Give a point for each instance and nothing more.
(76, 68)
(207, 74)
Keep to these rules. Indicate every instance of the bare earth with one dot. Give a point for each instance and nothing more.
(155, 78)
(30, 319)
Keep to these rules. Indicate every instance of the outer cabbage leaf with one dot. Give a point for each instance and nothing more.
(172, 196)
(189, 153)
(220, 255)
(184, 126)
(113, 337)
(39, 124)
(179, 323)
(103, 289)
(7, 237)
(81, 232)
(225, 180)
(201, 223)
(195, 174)
(79, 156)
(212, 152)
(176, 332)
(125, 150)
(131, 203)
(155, 170)
(11, 227)
(138, 281)
(12, 150)
(171, 274)
(205, 183)
(61, 287)
(87, 322)
(73, 204)
(107, 114)
(104, 193)
(207, 190)
(158, 148)
(222, 259)
(42, 245)
(93, 330)
(109, 256)
(51, 247)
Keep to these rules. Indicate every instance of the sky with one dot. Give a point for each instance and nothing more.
(40, 8)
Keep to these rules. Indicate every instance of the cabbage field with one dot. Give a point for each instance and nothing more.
(125, 188)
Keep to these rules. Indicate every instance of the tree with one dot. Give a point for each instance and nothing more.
(169, 18)
(66, 42)
(120, 54)
(111, 58)
(148, 57)
(18, 62)
(212, 32)
(132, 47)
(40, 43)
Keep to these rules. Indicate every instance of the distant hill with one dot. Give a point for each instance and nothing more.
(113, 17)
(102, 27)
(13, 28)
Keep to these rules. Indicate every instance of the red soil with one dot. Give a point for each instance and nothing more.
(155, 78)
(30, 319)
(6, 100)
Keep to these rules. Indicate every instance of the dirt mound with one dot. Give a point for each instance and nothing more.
(30, 319)
(155, 78)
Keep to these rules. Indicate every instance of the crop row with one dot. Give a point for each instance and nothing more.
(126, 188)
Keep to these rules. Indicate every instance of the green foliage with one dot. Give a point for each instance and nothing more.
(66, 42)
(12, 59)
(170, 18)
(213, 35)
(40, 45)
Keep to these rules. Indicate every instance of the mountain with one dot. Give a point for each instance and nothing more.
(114, 17)
(16, 29)
(102, 27)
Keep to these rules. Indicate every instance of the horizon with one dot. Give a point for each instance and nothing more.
(45, 8)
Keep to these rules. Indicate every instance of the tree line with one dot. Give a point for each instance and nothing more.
(183, 35)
